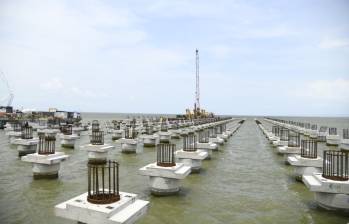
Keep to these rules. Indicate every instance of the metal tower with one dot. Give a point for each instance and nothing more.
(197, 92)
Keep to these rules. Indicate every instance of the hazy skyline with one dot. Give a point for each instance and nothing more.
(256, 57)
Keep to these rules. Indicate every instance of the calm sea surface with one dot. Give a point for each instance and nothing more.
(245, 182)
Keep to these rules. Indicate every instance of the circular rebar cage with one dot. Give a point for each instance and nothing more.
(116, 125)
(189, 143)
(165, 155)
(284, 134)
(204, 136)
(97, 138)
(163, 126)
(332, 131)
(47, 144)
(130, 132)
(67, 129)
(17, 127)
(309, 149)
(103, 183)
(149, 129)
(95, 125)
(27, 132)
(335, 165)
(294, 139)
(345, 133)
(212, 132)
(275, 130)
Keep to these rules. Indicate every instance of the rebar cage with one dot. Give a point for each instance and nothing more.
(27, 132)
(213, 133)
(97, 138)
(17, 127)
(284, 134)
(275, 130)
(332, 131)
(165, 155)
(346, 133)
(130, 132)
(323, 129)
(149, 129)
(335, 165)
(67, 129)
(294, 139)
(204, 136)
(47, 144)
(163, 126)
(103, 183)
(189, 143)
(95, 125)
(309, 149)
(116, 125)
(219, 129)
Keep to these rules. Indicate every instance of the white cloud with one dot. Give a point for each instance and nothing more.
(325, 91)
(330, 43)
(52, 84)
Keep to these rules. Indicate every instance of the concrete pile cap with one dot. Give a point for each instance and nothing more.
(49, 159)
(297, 160)
(97, 148)
(127, 210)
(317, 183)
(179, 171)
(199, 155)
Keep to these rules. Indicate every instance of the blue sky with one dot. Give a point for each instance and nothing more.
(256, 57)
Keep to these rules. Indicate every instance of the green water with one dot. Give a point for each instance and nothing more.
(245, 182)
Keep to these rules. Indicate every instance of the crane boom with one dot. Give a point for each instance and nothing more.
(197, 92)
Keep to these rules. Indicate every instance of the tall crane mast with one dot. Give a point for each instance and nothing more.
(197, 92)
(9, 95)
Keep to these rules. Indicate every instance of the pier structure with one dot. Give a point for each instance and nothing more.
(164, 134)
(67, 137)
(129, 141)
(14, 130)
(221, 129)
(148, 137)
(332, 138)
(116, 132)
(189, 154)
(175, 130)
(27, 143)
(165, 174)
(308, 161)
(345, 140)
(313, 133)
(331, 187)
(213, 136)
(283, 136)
(46, 161)
(323, 131)
(103, 202)
(97, 149)
(293, 145)
(204, 143)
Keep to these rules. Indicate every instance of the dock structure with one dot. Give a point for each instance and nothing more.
(97, 149)
(129, 141)
(331, 187)
(46, 161)
(27, 143)
(332, 138)
(103, 202)
(165, 174)
(67, 137)
(189, 155)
